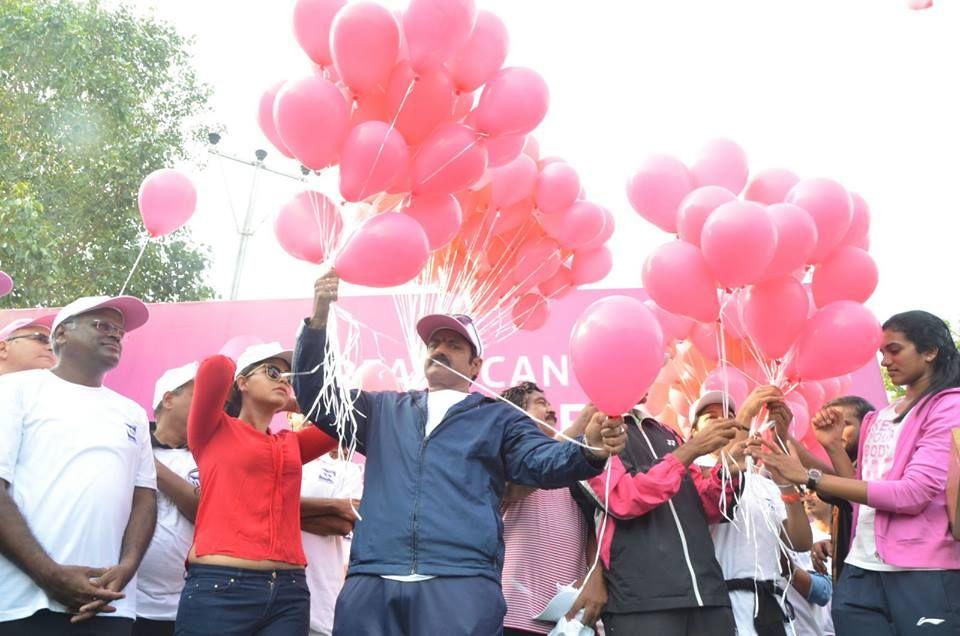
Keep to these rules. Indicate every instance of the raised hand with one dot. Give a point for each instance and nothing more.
(828, 427)
(605, 435)
(325, 292)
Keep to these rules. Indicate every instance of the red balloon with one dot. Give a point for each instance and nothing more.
(450, 159)
(616, 350)
(312, 20)
(696, 207)
(312, 116)
(849, 274)
(678, 279)
(840, 338)
(774, 314)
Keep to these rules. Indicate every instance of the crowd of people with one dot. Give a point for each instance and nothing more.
(470, 514)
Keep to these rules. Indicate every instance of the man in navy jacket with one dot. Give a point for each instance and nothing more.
(427, 555)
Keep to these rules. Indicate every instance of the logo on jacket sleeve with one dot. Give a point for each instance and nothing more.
(132, 432)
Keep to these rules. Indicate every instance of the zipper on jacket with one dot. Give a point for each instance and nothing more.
(676, 519)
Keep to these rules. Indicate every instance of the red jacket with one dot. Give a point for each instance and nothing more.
(250, 494)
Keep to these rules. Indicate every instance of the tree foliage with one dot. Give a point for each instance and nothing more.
(92, 100)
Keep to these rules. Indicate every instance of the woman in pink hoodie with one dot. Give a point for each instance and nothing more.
(902, 575)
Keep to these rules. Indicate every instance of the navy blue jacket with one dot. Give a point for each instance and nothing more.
(431, 505)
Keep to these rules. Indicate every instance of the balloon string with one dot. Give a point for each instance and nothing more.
(134, 268)
(450, 160)
(383, 143)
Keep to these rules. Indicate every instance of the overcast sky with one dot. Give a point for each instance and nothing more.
(863, 91)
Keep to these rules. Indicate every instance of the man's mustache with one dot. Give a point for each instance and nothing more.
(441, 359)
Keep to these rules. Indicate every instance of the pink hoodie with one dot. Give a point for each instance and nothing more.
(912, 526)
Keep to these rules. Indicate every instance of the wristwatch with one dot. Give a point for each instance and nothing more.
(813, 479)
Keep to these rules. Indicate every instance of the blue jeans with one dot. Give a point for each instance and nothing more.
(240, 602)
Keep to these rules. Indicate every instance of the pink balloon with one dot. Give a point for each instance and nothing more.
(511, 218)
(801, 416)
(831, 388)
(846, 382)
(774, 314)
(678, 279)
(591, 266)
(364, 41)
(849, 274)
(482, 55)
(609, 225)
(696, 207)
(537, 261)
(374, 375)
(530, 312)
(840, 338)
(658, 188)
(559, 285)
(860, 224)
(813, 394)
(531, 148)
(770, 186)
(6, 284)
(308, 227)
(167, 200)
(418, 103)
(721, 163)
(580, 224)
(312, 20)
(265, 119)
(557, 187)
(728, 380)
(503, 150)
(312, 117)
(235, 346)
(462, 105)
(919, 5)
(730, 319)
(616, 349)
(450, 159)
(388, 249)
(796, 239)
(675, 327)
(436, 29)
(438, 214)
(513, 102)
(513, 182)
(738, 242)
(831, 208)
(373, 158)
(704, 337)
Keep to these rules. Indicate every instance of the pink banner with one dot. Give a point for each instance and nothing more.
(179, 333)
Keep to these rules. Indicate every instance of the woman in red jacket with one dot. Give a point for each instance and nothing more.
(245, 571)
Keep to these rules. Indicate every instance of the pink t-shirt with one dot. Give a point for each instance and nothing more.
(546, 540)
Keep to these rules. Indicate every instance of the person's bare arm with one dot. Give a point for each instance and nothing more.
(327, 526)
(184, 496)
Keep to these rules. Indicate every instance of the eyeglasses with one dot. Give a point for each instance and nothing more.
(38, 337)
(108, 328)
(271, 371)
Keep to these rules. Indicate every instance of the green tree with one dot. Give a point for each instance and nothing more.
(92, 99)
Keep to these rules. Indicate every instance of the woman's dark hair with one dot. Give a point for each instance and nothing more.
(929, 333)
(235, 397)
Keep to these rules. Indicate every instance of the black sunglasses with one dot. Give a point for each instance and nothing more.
(271, 371)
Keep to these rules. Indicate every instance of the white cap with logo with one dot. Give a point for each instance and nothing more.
(26, 323)
(709, 398)
(135, 313)
(173, 379)
(260, 352)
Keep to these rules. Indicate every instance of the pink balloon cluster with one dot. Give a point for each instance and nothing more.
(768, 273)
(425, 123)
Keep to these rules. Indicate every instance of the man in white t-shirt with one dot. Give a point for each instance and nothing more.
(160, 578)
(25, 345)
(77, 482)
(331, 490)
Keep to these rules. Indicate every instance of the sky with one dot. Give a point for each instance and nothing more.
(862, 91)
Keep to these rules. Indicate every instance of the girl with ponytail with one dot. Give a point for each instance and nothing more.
(902, 575)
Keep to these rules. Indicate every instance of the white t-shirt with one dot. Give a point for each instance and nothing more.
(160, 577)
(327, 557)
(72, 455)
(749, 547)
(438, 403)
(876, 460)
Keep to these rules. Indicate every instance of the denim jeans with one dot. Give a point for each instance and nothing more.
(240, 602)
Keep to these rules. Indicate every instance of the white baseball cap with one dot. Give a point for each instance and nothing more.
(173, 379)
(459, 323)
(707, 399)
(25, 323)
(135, 313)
(260, 352)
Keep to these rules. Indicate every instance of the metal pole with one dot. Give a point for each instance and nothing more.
(245, 233)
